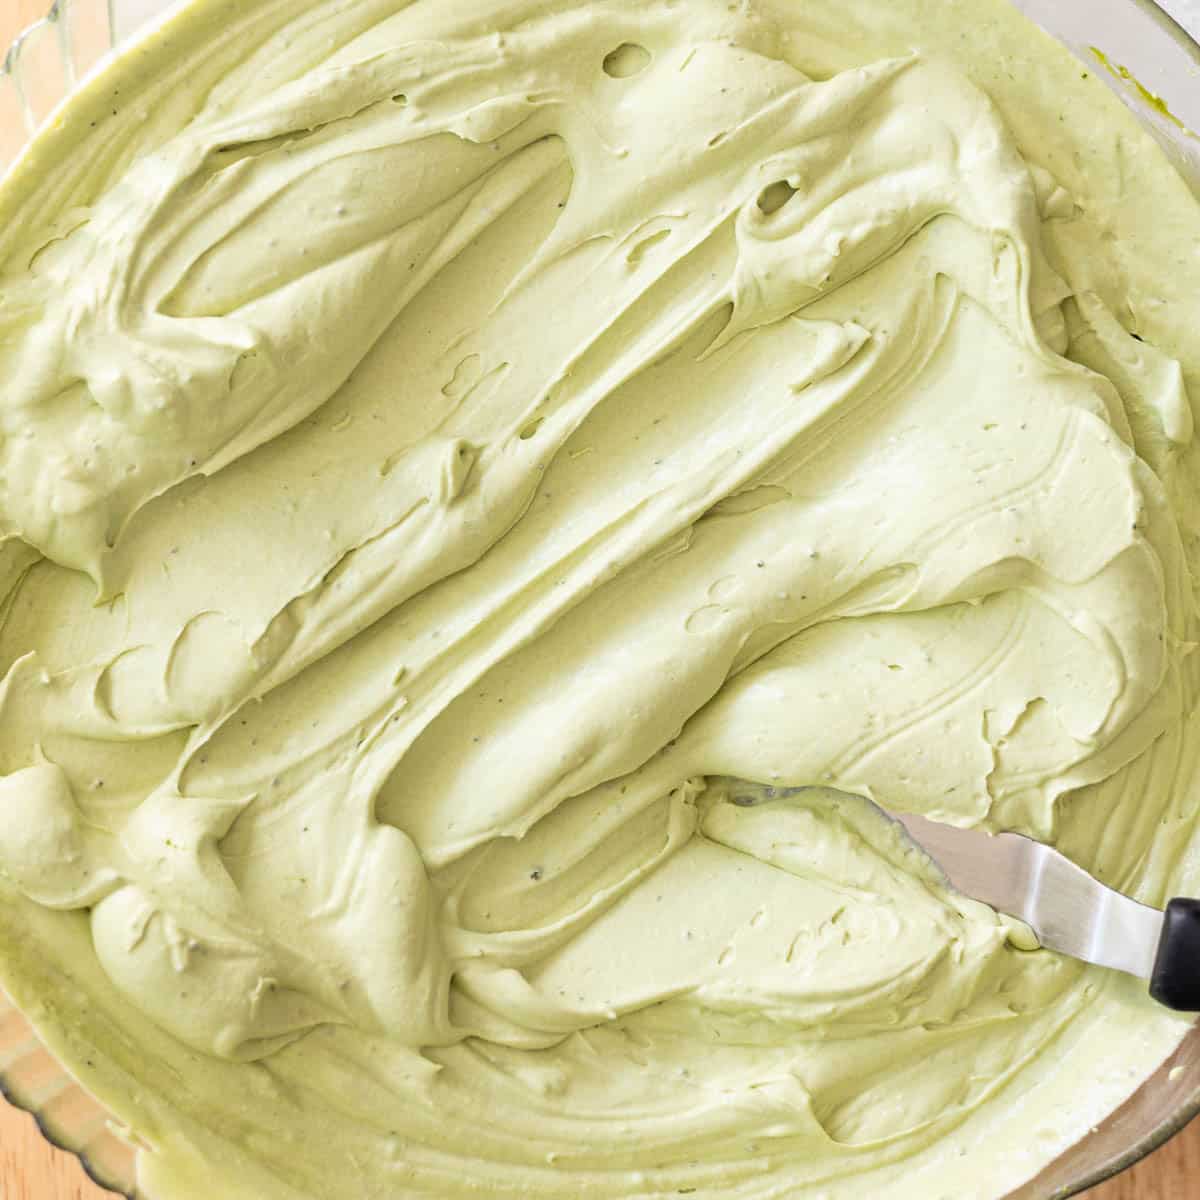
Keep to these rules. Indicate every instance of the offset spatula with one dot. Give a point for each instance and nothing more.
(1068, 910)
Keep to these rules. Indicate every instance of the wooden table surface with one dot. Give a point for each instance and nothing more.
(31, 1170)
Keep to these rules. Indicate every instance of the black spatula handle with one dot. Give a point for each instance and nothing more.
(1176, 978)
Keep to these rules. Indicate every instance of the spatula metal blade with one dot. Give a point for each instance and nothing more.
(1068, 910)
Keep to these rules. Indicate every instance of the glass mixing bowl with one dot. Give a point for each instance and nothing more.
(1144, 55)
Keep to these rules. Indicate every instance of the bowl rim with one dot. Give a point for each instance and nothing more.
(60, 1141)
(1158, 1137)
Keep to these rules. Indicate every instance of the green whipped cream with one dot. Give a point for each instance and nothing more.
(440, 443)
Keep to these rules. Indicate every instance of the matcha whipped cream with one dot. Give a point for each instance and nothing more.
(441, 443)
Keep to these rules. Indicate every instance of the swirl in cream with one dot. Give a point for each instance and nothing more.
(440, 444)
